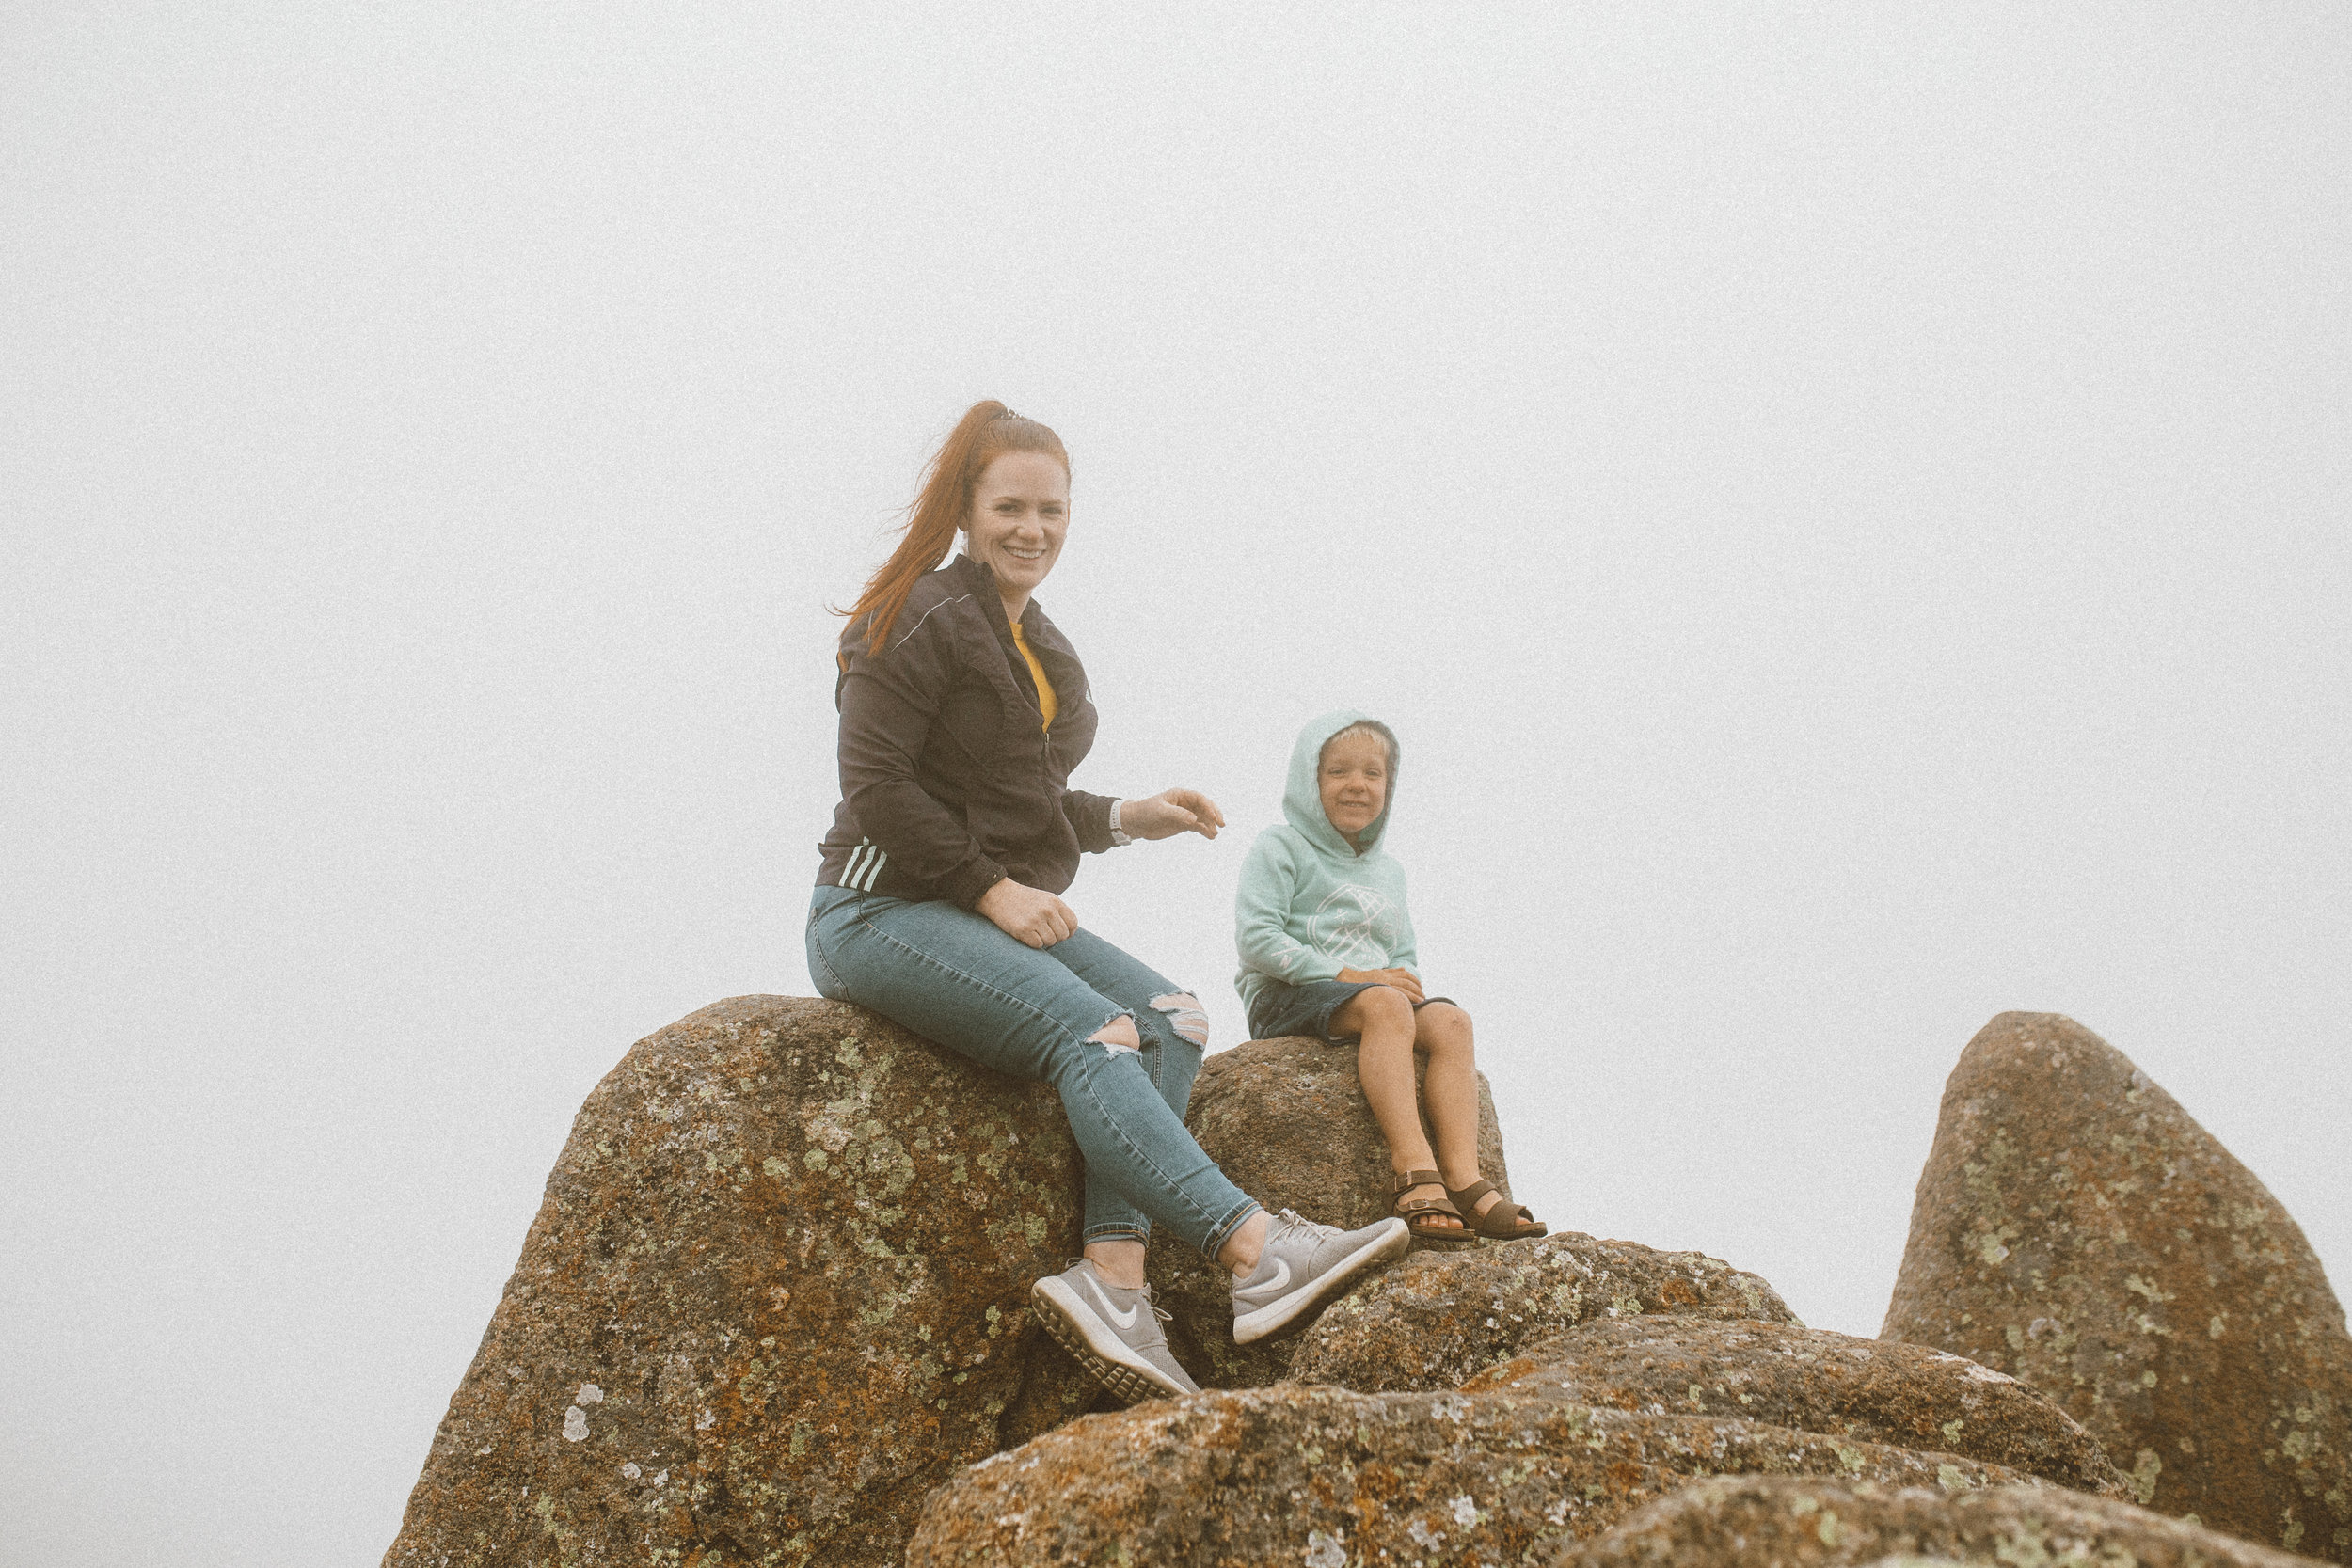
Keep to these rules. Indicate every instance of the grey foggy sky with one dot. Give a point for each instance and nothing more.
(1846, 510)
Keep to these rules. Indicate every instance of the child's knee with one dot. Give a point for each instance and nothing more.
(1443, 1024)
(1385, 1004)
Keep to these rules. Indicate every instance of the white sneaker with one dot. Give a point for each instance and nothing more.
(1114, 1332)
(1306, 1264)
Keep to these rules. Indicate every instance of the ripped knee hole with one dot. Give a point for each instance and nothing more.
(1185, 1016)
(1117, 1035)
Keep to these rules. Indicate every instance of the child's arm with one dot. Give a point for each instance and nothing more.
(1261, 907)
(1408, 954)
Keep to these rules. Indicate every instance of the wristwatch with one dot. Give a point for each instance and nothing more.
(1120, 839)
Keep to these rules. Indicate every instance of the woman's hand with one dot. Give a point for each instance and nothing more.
(1402, 980)
(1169, 813)
(1028, 914)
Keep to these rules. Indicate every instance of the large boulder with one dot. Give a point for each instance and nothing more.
(1321, 1475)
(1440, 1316)
(777, 1289)
(2077, 1229)
(1905, 1396)
(1287, 1121)
(1804, 1522)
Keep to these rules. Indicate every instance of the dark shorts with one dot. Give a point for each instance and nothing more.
(1307, 1009)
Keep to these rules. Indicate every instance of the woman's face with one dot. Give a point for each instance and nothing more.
(1020, 512)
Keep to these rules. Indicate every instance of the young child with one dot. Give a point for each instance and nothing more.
(1326, 949)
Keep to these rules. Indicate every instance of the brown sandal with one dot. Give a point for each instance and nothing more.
(1419, 1213)
(1505, 1222)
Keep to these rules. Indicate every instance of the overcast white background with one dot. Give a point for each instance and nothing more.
(1846, 509)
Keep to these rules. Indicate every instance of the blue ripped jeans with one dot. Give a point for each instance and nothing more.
(953, 976)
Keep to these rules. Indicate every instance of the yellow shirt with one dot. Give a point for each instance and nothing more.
(1046, 703)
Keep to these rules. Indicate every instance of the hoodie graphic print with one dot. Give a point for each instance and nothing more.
(1309, 905)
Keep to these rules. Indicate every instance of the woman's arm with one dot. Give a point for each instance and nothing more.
(886, 709)
(1169, 813)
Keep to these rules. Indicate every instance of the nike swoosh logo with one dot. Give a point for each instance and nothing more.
(1125, 1320)
(1281, 1275)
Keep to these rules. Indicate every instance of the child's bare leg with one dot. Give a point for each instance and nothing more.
(1450, 1092)
(1382, 1019)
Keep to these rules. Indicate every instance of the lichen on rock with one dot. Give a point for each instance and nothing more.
(1227, 1478)
(2077, 1229)
(1811, 1380)
(1749, 1521)
(1436, 1318)
(777, 1291)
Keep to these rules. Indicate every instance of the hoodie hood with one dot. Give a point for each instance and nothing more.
(1302, 799)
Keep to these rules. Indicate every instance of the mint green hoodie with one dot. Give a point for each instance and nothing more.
(1309, 905)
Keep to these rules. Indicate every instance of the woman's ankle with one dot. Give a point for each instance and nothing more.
(1241, 1251)
(1119, 1262)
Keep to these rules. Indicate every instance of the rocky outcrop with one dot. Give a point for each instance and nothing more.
(1809, 1379)
(1287, 1120)
(777, 1289)
(2077, 1229)
(1322, 1476)
(1755, 1521)
(1439, 1317)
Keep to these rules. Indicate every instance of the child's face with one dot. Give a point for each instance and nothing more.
(1353, 778)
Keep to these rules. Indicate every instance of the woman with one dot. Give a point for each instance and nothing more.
(964, 710)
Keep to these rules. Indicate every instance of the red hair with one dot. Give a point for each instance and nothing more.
(987, 431)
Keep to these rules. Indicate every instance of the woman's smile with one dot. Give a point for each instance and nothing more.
(1020, 514)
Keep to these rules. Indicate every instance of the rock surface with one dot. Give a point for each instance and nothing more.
(2075, 1228)
(1439, 1316)
(1287, 1120)
(1321, 1475)
(1809, 1379)
(777, 1289)
(1755, 1521)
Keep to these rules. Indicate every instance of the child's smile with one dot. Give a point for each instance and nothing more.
(1353, 781)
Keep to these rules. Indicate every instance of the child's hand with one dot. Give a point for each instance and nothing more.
(1401, 979)
(1169, 813)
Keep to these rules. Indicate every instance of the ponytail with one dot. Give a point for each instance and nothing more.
(987, 430)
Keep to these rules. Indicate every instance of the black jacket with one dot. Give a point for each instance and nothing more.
(948, 782)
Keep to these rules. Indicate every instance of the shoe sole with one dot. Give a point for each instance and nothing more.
(1282, 1312)
(1091, 1343)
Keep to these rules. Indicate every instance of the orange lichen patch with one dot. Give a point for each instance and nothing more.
(1675, 1294)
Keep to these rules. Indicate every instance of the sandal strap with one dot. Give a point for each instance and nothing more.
(1466, 1198)
(1412, 1179)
